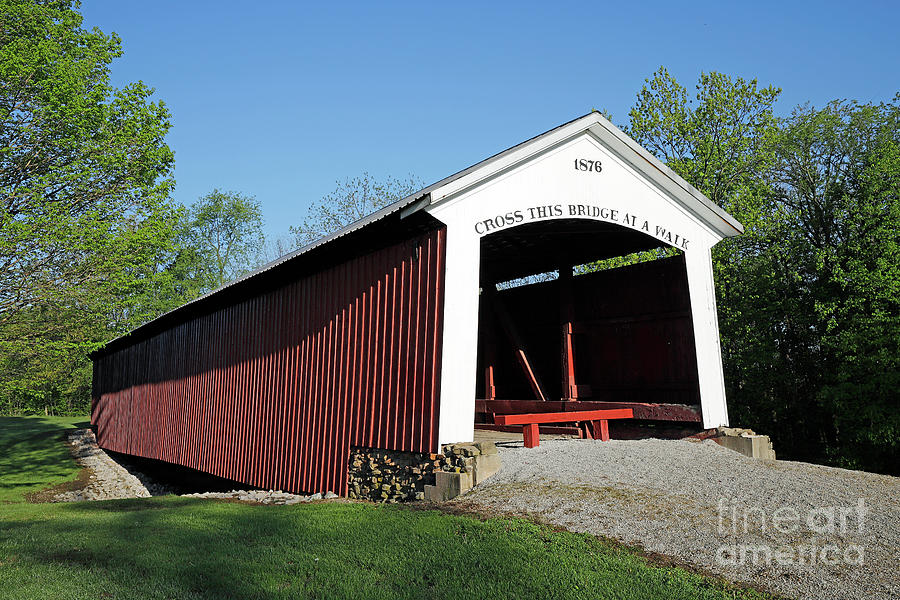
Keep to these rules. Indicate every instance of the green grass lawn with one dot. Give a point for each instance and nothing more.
(191, 548)
(33, 454)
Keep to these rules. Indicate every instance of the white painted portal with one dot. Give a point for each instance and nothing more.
(546, 180)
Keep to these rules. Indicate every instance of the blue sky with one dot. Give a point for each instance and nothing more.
(281, 99)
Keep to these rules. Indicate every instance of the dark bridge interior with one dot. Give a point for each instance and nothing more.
(546, 245)
(620, 336)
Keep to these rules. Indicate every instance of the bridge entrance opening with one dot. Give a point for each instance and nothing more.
(585, 315)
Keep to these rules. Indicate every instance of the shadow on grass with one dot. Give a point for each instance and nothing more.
(193, 548)
(33, 454)
(20, 427)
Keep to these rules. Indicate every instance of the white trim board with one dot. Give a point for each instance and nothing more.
(542, 182)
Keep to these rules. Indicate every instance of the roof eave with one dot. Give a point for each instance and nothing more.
(720, 220)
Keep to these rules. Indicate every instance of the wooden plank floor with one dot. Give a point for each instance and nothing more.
(500, 437)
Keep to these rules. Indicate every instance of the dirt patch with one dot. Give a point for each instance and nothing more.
(79, 484)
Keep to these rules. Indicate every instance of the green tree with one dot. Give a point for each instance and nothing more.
(816, 348)
(76, 154)
(85, 219)
(350, 201)
(44, 347)
(808, 296)
(724, 141)
(838, 199)
(225, 232)
(721, 140)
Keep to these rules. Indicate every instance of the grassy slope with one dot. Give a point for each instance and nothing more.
(191, 548)
(33, 454)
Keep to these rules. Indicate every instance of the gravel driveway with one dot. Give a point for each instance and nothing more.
(796, 529)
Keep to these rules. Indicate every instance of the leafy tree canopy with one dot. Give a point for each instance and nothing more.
(350, 201)
(809, 296)
(836, 236)
(85, 220)
(225, 232)
(83, 165)
(720, 140)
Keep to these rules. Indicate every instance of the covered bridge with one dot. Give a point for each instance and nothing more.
(393, 333)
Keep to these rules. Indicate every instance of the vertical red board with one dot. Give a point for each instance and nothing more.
(273, 390)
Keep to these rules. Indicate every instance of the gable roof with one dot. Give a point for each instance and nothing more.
(611, 136)
(616, 141)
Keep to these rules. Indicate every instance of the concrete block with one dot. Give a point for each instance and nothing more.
(485, 466)
(487, 447)
(448, 485)
(752, 445)
(433, 494)
(762, 447)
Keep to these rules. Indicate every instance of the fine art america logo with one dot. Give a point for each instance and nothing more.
(820, 529)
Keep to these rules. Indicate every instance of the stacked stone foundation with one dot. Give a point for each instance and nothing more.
(394, 476)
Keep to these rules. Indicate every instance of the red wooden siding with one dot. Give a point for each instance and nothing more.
(272, 391)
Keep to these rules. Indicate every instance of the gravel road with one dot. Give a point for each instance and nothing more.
(796, 529)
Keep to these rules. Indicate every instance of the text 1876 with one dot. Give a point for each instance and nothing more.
(592, 166)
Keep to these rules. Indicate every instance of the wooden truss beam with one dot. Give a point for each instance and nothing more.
(512, 334)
